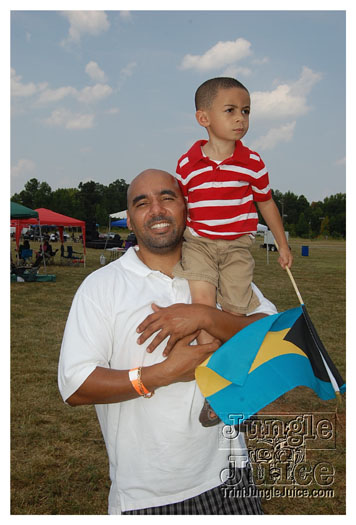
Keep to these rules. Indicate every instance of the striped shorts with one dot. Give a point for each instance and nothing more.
(239, 496)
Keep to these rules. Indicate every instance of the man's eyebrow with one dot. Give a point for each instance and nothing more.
(138, 198)
(168, 192)
(162, 193)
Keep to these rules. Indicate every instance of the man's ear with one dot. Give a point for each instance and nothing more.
(128, 221)
(202, 118)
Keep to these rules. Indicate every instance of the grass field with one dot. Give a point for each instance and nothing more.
(58, 458)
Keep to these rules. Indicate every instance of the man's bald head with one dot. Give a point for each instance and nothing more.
(156, 211)
(145, 177)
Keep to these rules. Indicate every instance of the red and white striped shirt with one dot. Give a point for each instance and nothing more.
(220, 197)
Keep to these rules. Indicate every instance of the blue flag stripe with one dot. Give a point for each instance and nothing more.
(240, 351)
(265, 384)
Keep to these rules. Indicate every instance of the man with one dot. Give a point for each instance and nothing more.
(161, 458)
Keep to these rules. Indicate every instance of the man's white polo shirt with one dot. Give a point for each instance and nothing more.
(158, 451)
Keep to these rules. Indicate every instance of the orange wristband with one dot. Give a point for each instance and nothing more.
(135, 378)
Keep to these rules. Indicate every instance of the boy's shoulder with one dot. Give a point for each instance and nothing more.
(193, 155)
(251, 157)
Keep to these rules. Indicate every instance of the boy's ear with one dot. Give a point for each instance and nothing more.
(202, 118)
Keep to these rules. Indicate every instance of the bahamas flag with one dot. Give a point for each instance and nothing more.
(265, 360)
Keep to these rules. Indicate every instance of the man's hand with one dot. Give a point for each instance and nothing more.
(183, 359)
(176, 321)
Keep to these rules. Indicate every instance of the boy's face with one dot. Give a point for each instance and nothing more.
(228, 116)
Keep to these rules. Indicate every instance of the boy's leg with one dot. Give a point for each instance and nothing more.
(203, 292)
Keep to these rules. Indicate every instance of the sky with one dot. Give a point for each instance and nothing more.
(102, 95)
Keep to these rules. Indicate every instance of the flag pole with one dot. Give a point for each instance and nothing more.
(292, 280)
(332, 380)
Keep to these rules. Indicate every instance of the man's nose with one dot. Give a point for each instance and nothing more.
(157, 207)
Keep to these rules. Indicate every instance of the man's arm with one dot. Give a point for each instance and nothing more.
(106, 385)
(179, 320)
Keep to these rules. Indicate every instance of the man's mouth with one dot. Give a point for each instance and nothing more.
(160, 225)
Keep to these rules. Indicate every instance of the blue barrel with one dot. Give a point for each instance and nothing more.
(305, 251)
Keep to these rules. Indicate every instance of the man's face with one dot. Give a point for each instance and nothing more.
(156, 211)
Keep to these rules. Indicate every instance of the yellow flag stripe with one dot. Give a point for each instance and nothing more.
(209, 381)
(273, 345)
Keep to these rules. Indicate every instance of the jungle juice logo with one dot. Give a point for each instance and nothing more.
(278, 448)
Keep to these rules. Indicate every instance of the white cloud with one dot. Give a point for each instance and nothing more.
(93, 93)
(128, 70)
(22, 168)
(218, 56)
(260, 61)
(54, 95)
(94, 72)
(85, 22)
(306, 82)
(286, 100)
(236, 71)
(125, 73)
(113, 111)
(125, 15)
(18, 89)
(274, 136)
(68, 120)
(86, 95)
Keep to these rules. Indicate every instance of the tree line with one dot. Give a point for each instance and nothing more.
(94, 202)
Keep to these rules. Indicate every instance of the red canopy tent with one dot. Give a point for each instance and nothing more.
(52, 218)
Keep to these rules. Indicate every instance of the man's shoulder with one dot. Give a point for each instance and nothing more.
(108, 274)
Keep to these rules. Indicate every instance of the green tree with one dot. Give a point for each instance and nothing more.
(35, 194)
(64, 200)
(316, 216)
(302, 226)
(89, 196)
(324, 227)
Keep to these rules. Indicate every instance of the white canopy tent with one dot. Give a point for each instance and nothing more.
(261, 227)
(119, 215)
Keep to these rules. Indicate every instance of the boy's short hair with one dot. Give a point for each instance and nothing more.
(206, 93)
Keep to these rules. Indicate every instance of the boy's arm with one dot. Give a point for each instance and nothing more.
(271, 215)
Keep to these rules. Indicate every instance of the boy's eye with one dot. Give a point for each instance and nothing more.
(229, 110)
(246, 111)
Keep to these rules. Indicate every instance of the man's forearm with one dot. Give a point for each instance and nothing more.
(106, 385)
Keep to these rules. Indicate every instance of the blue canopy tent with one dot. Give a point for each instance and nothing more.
(121, 223)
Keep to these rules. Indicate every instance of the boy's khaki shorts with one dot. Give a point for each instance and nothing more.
(228, 265)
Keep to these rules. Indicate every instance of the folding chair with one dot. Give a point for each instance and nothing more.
(70, 258)
(26, 255)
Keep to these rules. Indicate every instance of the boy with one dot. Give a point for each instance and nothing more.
(220, 179)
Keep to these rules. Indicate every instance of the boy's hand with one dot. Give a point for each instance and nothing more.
(175, 321)
(285, 257)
